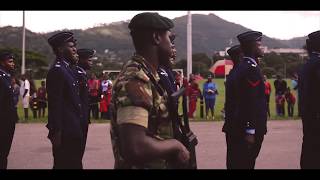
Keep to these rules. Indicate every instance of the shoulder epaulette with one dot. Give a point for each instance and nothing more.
(252, 64)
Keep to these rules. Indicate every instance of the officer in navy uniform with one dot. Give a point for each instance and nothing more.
(84, 64)
(65, 110)
(309, 98)
(8, 115)
(167, 78)
(250, 125)
(230, 105)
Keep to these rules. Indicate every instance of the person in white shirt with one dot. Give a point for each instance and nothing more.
(25, 94)
(105, 82)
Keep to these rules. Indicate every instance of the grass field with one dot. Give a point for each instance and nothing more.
(218, 107)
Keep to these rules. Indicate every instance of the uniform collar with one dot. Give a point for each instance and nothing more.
(317, 54)
(82, 70)
(162, 71)
(5, 72)
(63, 61)
(66, 63)
(142, 60)
(254, 62)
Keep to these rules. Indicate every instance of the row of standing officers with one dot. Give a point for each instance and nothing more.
(141, 131)
(246, 116)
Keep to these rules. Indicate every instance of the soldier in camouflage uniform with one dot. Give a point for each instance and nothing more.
(139, 103)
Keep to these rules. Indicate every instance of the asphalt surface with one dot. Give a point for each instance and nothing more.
(280, 150)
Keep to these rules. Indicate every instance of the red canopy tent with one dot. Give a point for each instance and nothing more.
(222, 67)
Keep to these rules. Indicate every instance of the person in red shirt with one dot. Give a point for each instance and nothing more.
(291, 100)
(267, 92)
(109, 96)
(105, 103)
(178, 79)
(93, 84)
(193, 93)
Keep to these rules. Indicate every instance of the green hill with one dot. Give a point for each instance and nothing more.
(210, 33)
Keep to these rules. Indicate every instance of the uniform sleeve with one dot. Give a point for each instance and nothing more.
(55, 86)
(134, 100)
(6, 103)
(227, 103)
(2, 96)
(317, 73)
(253, 81)
(318, 76)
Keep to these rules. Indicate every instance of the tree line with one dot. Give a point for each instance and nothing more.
(272, 64)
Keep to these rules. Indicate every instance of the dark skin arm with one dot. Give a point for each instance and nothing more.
(140, 148)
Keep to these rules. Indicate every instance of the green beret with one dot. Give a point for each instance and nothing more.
(149, 20)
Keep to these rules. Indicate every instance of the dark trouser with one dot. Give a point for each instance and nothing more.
(42, 108)
(210, 105)
(105, 115)
(310, 153)
(26, 113)
(95, 110)
(34, 111)
(6, 137)
(290, 109)
(83, 148)
(16, 110)
(239, 155)
(93, 106)
(69, 154)
(283, 109)
(268, 107)
(280, 107)
(41, 111)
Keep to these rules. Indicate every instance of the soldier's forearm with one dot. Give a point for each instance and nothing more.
(140, 148)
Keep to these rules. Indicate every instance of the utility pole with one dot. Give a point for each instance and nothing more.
(23, 67)
(189, 45)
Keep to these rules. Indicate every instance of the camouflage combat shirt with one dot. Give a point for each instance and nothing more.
(137, 101)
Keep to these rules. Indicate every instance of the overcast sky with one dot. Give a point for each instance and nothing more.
(275, 24)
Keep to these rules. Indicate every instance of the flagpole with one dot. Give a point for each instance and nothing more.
(189, 45)
(23, 45)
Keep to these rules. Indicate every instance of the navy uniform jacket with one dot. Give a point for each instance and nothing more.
(167, 80)
(84, 94)
(309, 95)
(8, 115)
(251, 107)
(64, 103)
(230, 101)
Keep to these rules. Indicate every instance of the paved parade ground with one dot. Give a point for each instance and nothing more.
(280, 150)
